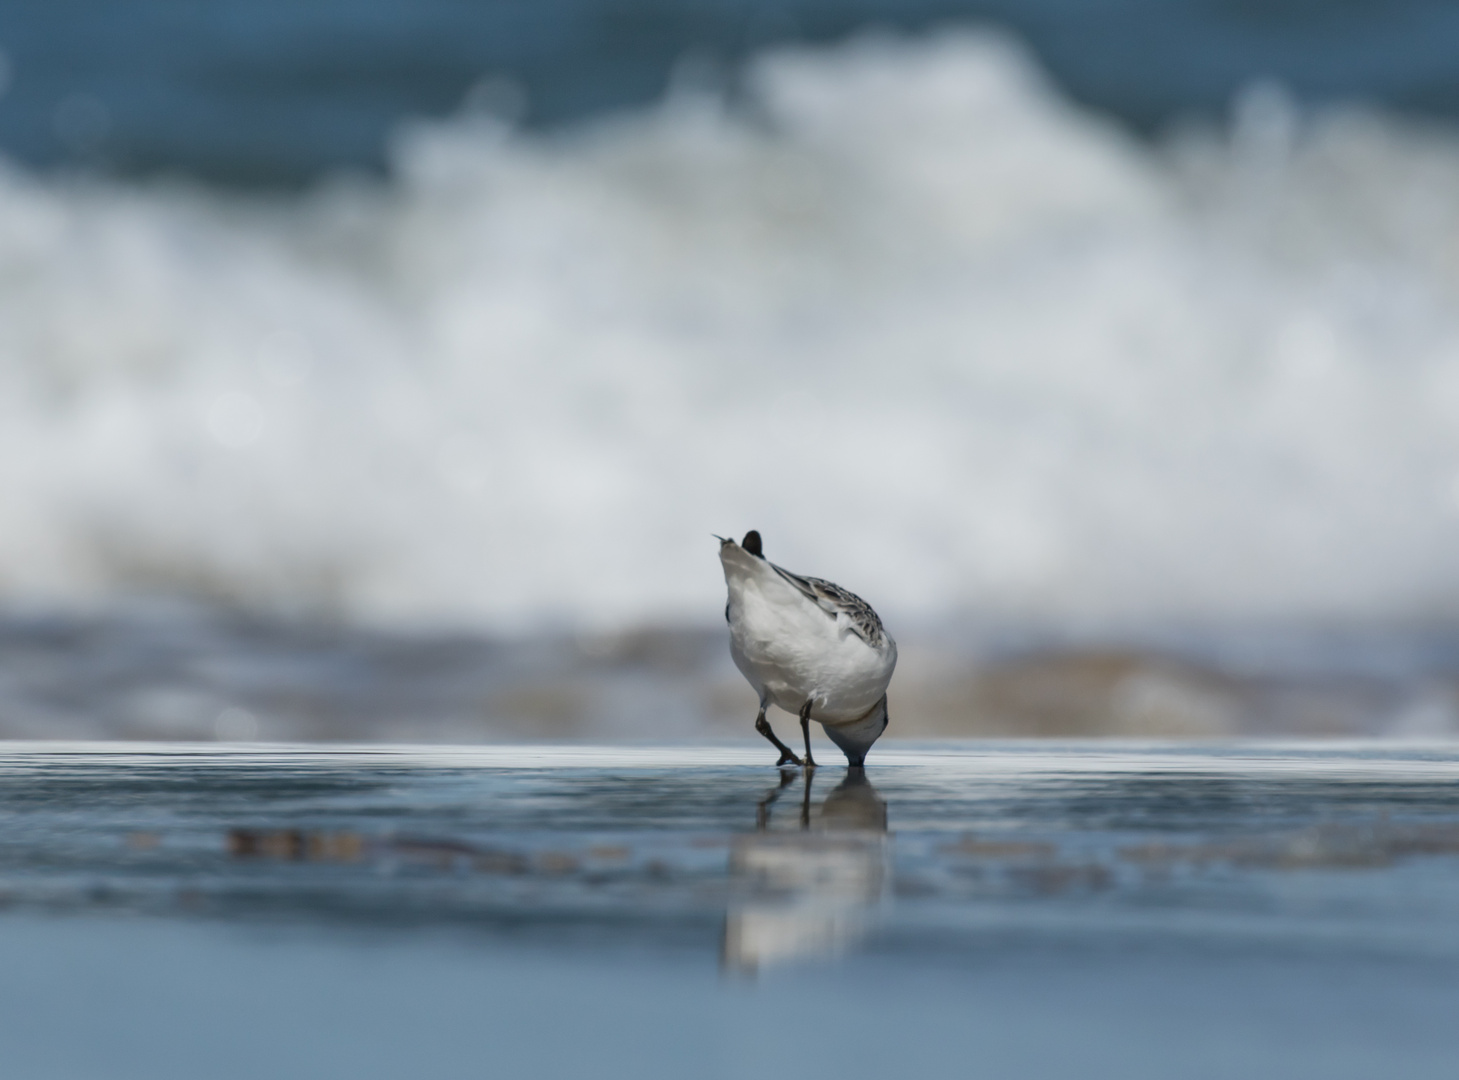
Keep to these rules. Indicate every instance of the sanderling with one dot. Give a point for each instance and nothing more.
(810, 647)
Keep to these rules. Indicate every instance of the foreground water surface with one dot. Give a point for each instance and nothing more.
(1084, 910)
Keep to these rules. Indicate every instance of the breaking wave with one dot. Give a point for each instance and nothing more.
(933, 330)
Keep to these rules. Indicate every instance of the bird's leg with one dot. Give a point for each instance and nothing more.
(787, 755)
(805, 729)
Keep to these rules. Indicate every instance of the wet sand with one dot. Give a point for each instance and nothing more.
(1051, 909)
(188, 674)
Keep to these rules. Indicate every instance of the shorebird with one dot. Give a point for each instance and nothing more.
(810, 647)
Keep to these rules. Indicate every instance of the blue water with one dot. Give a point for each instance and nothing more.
(1079, 910)
(271, 91)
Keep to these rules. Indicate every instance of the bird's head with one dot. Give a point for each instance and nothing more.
(856, 738)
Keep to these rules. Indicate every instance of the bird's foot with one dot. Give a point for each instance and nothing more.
(788, 758)
(810, 762)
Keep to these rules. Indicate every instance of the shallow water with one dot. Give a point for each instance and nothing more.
(1031, 909)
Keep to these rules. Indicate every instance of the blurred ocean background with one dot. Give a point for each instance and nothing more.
(379, 371)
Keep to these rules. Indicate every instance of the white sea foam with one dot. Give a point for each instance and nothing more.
(936, 332)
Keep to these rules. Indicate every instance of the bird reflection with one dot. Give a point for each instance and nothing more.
(810, 889)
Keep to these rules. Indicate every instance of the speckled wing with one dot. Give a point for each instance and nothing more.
(839, 603)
